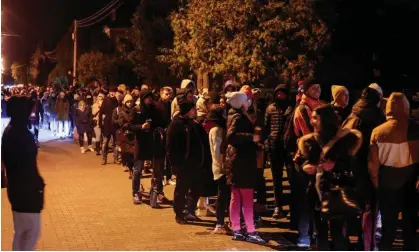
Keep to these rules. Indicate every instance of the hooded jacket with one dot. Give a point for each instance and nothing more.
(395, 143)
(175, 106)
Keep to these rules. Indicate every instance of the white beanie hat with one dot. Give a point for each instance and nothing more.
(127, 98)
(377, 88)
(236, 99)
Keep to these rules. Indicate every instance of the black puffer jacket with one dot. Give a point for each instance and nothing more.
(241, 161)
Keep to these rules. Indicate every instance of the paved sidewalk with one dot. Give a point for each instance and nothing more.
(89, 207)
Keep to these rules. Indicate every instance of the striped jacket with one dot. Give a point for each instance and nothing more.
(395, 143)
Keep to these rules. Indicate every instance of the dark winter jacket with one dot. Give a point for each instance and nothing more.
(25, 186)
(144, 139)
(122, 120)
(185, 145)
(105, 116)
(45, 105)
(342, 151)
(37, 111)
(365, 116)
(163, 109)
(241, 161)
(83, 121)
(62, 107)
(51, 106)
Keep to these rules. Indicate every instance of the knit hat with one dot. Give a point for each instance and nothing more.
(144, 86)
(307, 84)
(247, 90)
(237, 99)
(301, 86)
(377, 88)
(371, 95)
(122, 88)
(338, 90)
(145, 93)
(228, 83)
(127, 98)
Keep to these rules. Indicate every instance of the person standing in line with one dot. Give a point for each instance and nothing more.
(340, 96)
(52, 100)
(45, 107)
(62, 107)
(185, 151)
(95, 116)
(25, 188)
(106, 124)
(275, 118)
(83, 122)
(36, 116)
(143, 122)
(241, 166)
(393, 164)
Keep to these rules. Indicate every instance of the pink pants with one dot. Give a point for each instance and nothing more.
(242, 199)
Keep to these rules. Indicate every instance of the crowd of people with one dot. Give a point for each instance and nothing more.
(348, 167)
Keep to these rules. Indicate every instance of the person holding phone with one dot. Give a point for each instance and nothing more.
(143, 121)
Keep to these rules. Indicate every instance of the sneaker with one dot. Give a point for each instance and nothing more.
(278, 214)
(192, 217)
(222, 229)
(303, 245)
(172, 182)
(125, 169)
(91, 148)
(255, 238)
(137, 199)
(181, 220)
(83, 150)
(238, 236)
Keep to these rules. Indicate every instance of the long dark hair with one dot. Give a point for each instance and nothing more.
(328, 121)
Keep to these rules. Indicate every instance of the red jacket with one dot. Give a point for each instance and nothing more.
(300, 126)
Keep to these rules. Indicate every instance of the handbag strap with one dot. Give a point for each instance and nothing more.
(341, 133)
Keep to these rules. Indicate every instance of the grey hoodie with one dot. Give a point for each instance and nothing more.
(175, 107)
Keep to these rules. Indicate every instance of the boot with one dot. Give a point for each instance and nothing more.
(115, 155)
(97, 148)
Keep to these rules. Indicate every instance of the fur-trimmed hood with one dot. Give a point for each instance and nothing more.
(346, 143)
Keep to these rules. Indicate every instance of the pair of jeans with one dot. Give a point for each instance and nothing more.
(223, 199)
(157, 176)
(187, 186)
(277, 157)
(63, 128)
(89, 139)
(136, 176)
(26, 230)
(105, 145)
(242, 202)
(302, 207)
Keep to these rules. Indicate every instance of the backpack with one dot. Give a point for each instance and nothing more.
(290, 138)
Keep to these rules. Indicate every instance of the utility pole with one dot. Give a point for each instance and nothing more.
(75, 52)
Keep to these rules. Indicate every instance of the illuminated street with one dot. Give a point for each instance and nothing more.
(89, 207)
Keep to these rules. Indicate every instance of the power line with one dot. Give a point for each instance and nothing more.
(98, 13)
(99, 20)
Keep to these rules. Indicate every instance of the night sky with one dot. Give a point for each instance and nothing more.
(39, 21)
